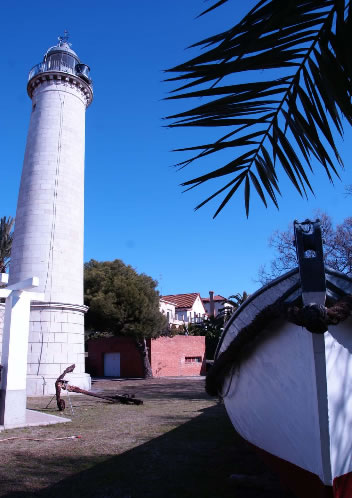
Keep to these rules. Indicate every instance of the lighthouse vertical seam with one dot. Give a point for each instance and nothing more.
(53, 224)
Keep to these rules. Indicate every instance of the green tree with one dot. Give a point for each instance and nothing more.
(213, 328)
(337, 245)
(6, 237)
(296, 55)
(122, 302)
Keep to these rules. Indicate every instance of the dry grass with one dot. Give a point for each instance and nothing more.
(179, 443)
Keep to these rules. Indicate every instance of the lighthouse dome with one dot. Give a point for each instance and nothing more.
(61, 58)
(61, 55)
(62, 48)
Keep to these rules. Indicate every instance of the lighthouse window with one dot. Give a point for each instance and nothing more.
(68, 60)
(34, 106)
(60, 60)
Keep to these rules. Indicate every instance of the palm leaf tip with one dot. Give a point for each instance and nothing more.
(214, 6)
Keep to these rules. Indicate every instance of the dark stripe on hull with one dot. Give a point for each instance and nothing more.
(343, 486)
(302, 483)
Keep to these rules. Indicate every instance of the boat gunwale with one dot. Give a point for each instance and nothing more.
(266, 287)
(253, 296)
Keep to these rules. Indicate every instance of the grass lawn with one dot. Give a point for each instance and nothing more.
(179, 443)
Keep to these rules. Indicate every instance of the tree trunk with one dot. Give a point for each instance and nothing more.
(143, 351)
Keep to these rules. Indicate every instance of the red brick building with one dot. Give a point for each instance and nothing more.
(169, 356)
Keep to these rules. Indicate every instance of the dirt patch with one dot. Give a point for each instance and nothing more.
(179, 443)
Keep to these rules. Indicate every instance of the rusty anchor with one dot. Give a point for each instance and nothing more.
(61, 383)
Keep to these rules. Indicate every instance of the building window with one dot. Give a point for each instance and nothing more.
(193, 359)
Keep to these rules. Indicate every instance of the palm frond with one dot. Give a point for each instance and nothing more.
(6, 237)
(275, 122)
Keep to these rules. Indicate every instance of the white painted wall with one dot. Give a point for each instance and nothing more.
(189, 315)
(198, 307)
(168, 310)
(338, 351)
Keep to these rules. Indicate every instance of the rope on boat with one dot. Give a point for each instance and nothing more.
(315, 318)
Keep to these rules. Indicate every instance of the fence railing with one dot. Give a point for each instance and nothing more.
(80, 70)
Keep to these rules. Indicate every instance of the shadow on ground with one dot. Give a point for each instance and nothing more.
(194, 460)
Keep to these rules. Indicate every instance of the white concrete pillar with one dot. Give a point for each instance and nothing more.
(48, 235)
(14, 358)
(13, 394)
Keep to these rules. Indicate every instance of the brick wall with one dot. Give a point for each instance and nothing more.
(169, 356)
(130, 359)
(176, 356)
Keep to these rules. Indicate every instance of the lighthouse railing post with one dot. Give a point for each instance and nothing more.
(13, 394)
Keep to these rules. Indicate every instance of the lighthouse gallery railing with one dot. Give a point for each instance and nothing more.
(80, 70)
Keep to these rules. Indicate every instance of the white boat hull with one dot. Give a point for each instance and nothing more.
(291, 394)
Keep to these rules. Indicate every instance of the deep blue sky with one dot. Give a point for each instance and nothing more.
(135, 209)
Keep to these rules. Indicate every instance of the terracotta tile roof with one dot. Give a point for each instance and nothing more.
(215, 298)
(167, 300)
(182, 300)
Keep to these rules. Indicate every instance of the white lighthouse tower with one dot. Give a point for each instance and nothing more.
(48, 236)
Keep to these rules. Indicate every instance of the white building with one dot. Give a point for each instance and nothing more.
(168, 309)
(188, 308)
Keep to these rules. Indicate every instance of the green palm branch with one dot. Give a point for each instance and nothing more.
(271, 122)
(237, 299)
(6, 236)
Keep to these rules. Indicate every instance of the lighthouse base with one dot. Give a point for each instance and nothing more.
(56, 341)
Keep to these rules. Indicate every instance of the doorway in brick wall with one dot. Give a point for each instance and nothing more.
(112, 364)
